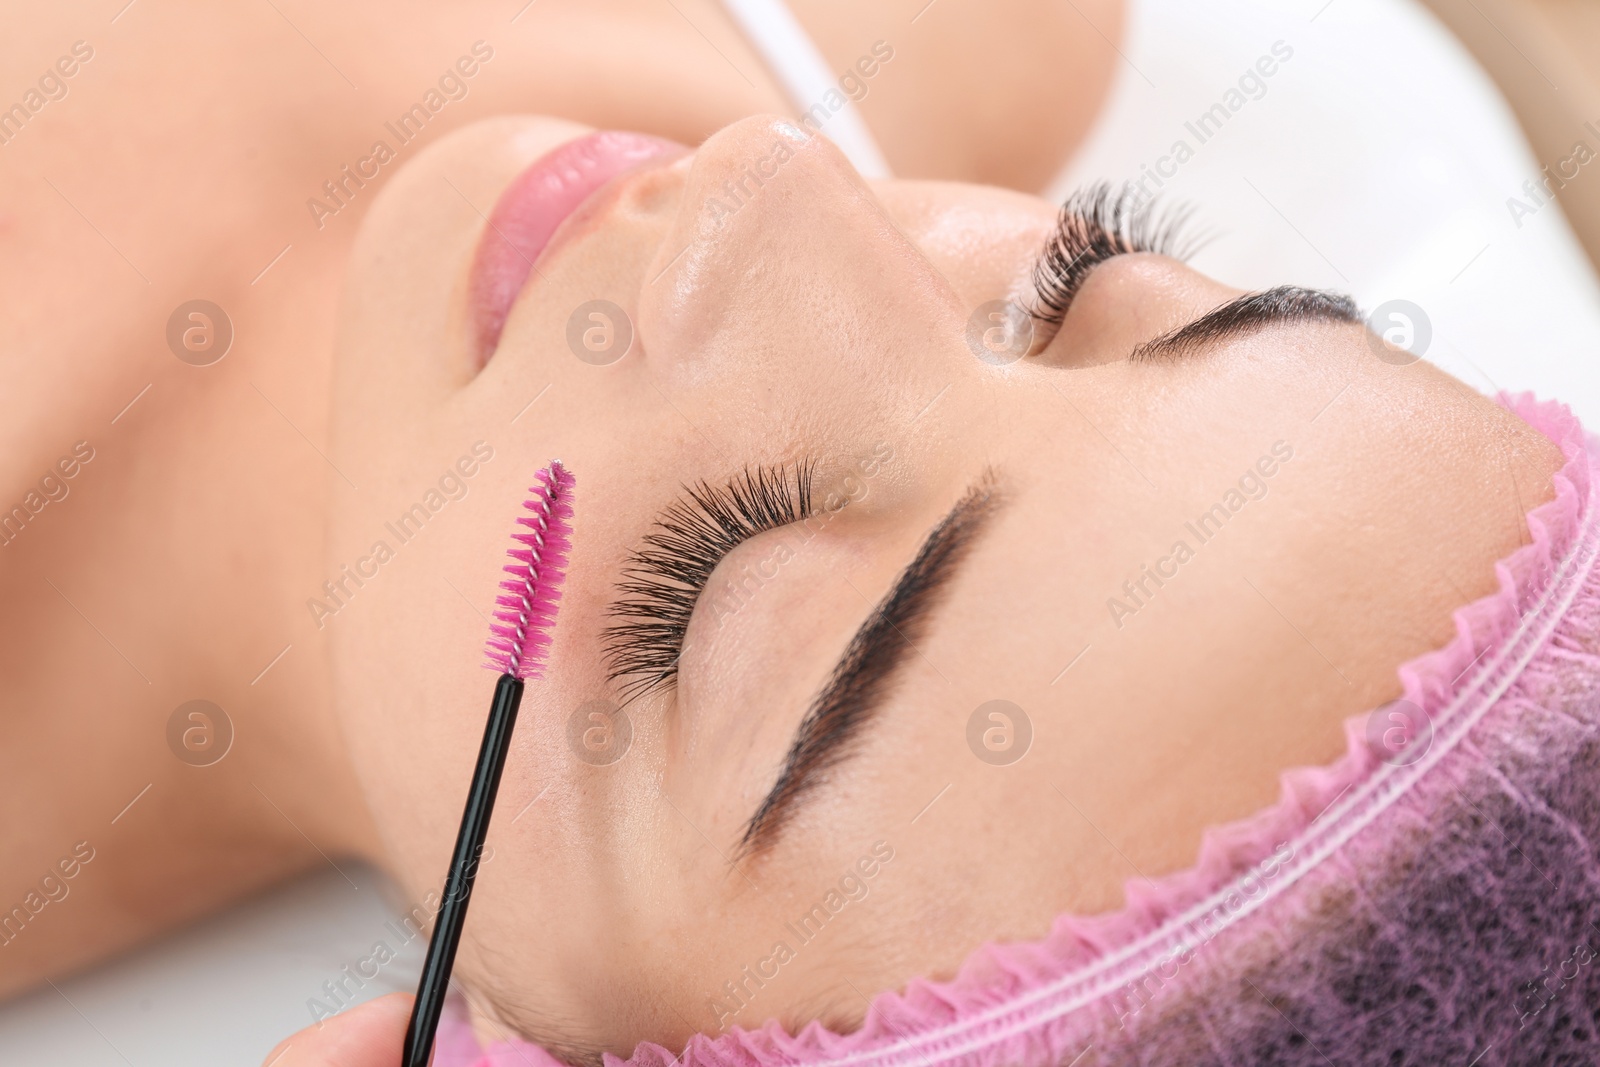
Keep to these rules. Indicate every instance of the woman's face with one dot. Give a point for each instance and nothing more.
(808, 796)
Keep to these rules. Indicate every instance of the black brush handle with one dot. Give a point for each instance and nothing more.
(463, 870)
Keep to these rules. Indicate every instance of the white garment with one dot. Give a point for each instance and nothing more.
(1376, 160)
(1380, 141)
(794, 60)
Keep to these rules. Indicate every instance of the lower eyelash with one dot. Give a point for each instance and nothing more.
(1094, 225)
(663, 580)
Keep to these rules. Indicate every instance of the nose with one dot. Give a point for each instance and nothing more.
(780, 254)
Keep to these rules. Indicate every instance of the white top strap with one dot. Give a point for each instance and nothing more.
(773, 30)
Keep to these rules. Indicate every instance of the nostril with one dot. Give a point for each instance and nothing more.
(780, 254)
(533, 207)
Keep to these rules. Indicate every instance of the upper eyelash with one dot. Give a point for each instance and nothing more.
(1095, 224)
(663, 580)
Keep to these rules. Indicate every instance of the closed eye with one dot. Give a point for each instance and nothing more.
(863, 678)
(664, 579)
(1094, 225)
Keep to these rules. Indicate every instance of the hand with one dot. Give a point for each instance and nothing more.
(370, 1035)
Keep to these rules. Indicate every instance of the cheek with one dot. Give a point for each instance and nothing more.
(407, 641)
(412, 706)
(983, 241)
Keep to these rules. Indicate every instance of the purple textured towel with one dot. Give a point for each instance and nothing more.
(1438, 907)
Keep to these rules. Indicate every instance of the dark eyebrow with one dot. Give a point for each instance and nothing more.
(1284, 304)
(861, 679)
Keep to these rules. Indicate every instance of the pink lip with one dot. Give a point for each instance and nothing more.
(535, 203)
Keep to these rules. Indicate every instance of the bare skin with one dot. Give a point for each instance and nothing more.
(825, 319)
(1542, 54)
(1402, 489)
(369, 1035)
(179, 165)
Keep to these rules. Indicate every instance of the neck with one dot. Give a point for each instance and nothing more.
(175, 568)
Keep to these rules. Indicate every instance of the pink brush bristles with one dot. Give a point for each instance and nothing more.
(526, 610)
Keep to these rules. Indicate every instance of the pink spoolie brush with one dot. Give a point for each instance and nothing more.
(518, 641)
(520, 637)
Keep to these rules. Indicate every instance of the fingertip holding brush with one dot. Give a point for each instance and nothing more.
(519, 640)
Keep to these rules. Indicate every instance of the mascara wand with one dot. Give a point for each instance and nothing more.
(518, 641)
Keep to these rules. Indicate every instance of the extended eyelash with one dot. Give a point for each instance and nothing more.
(664, 579)
(1095, 224)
